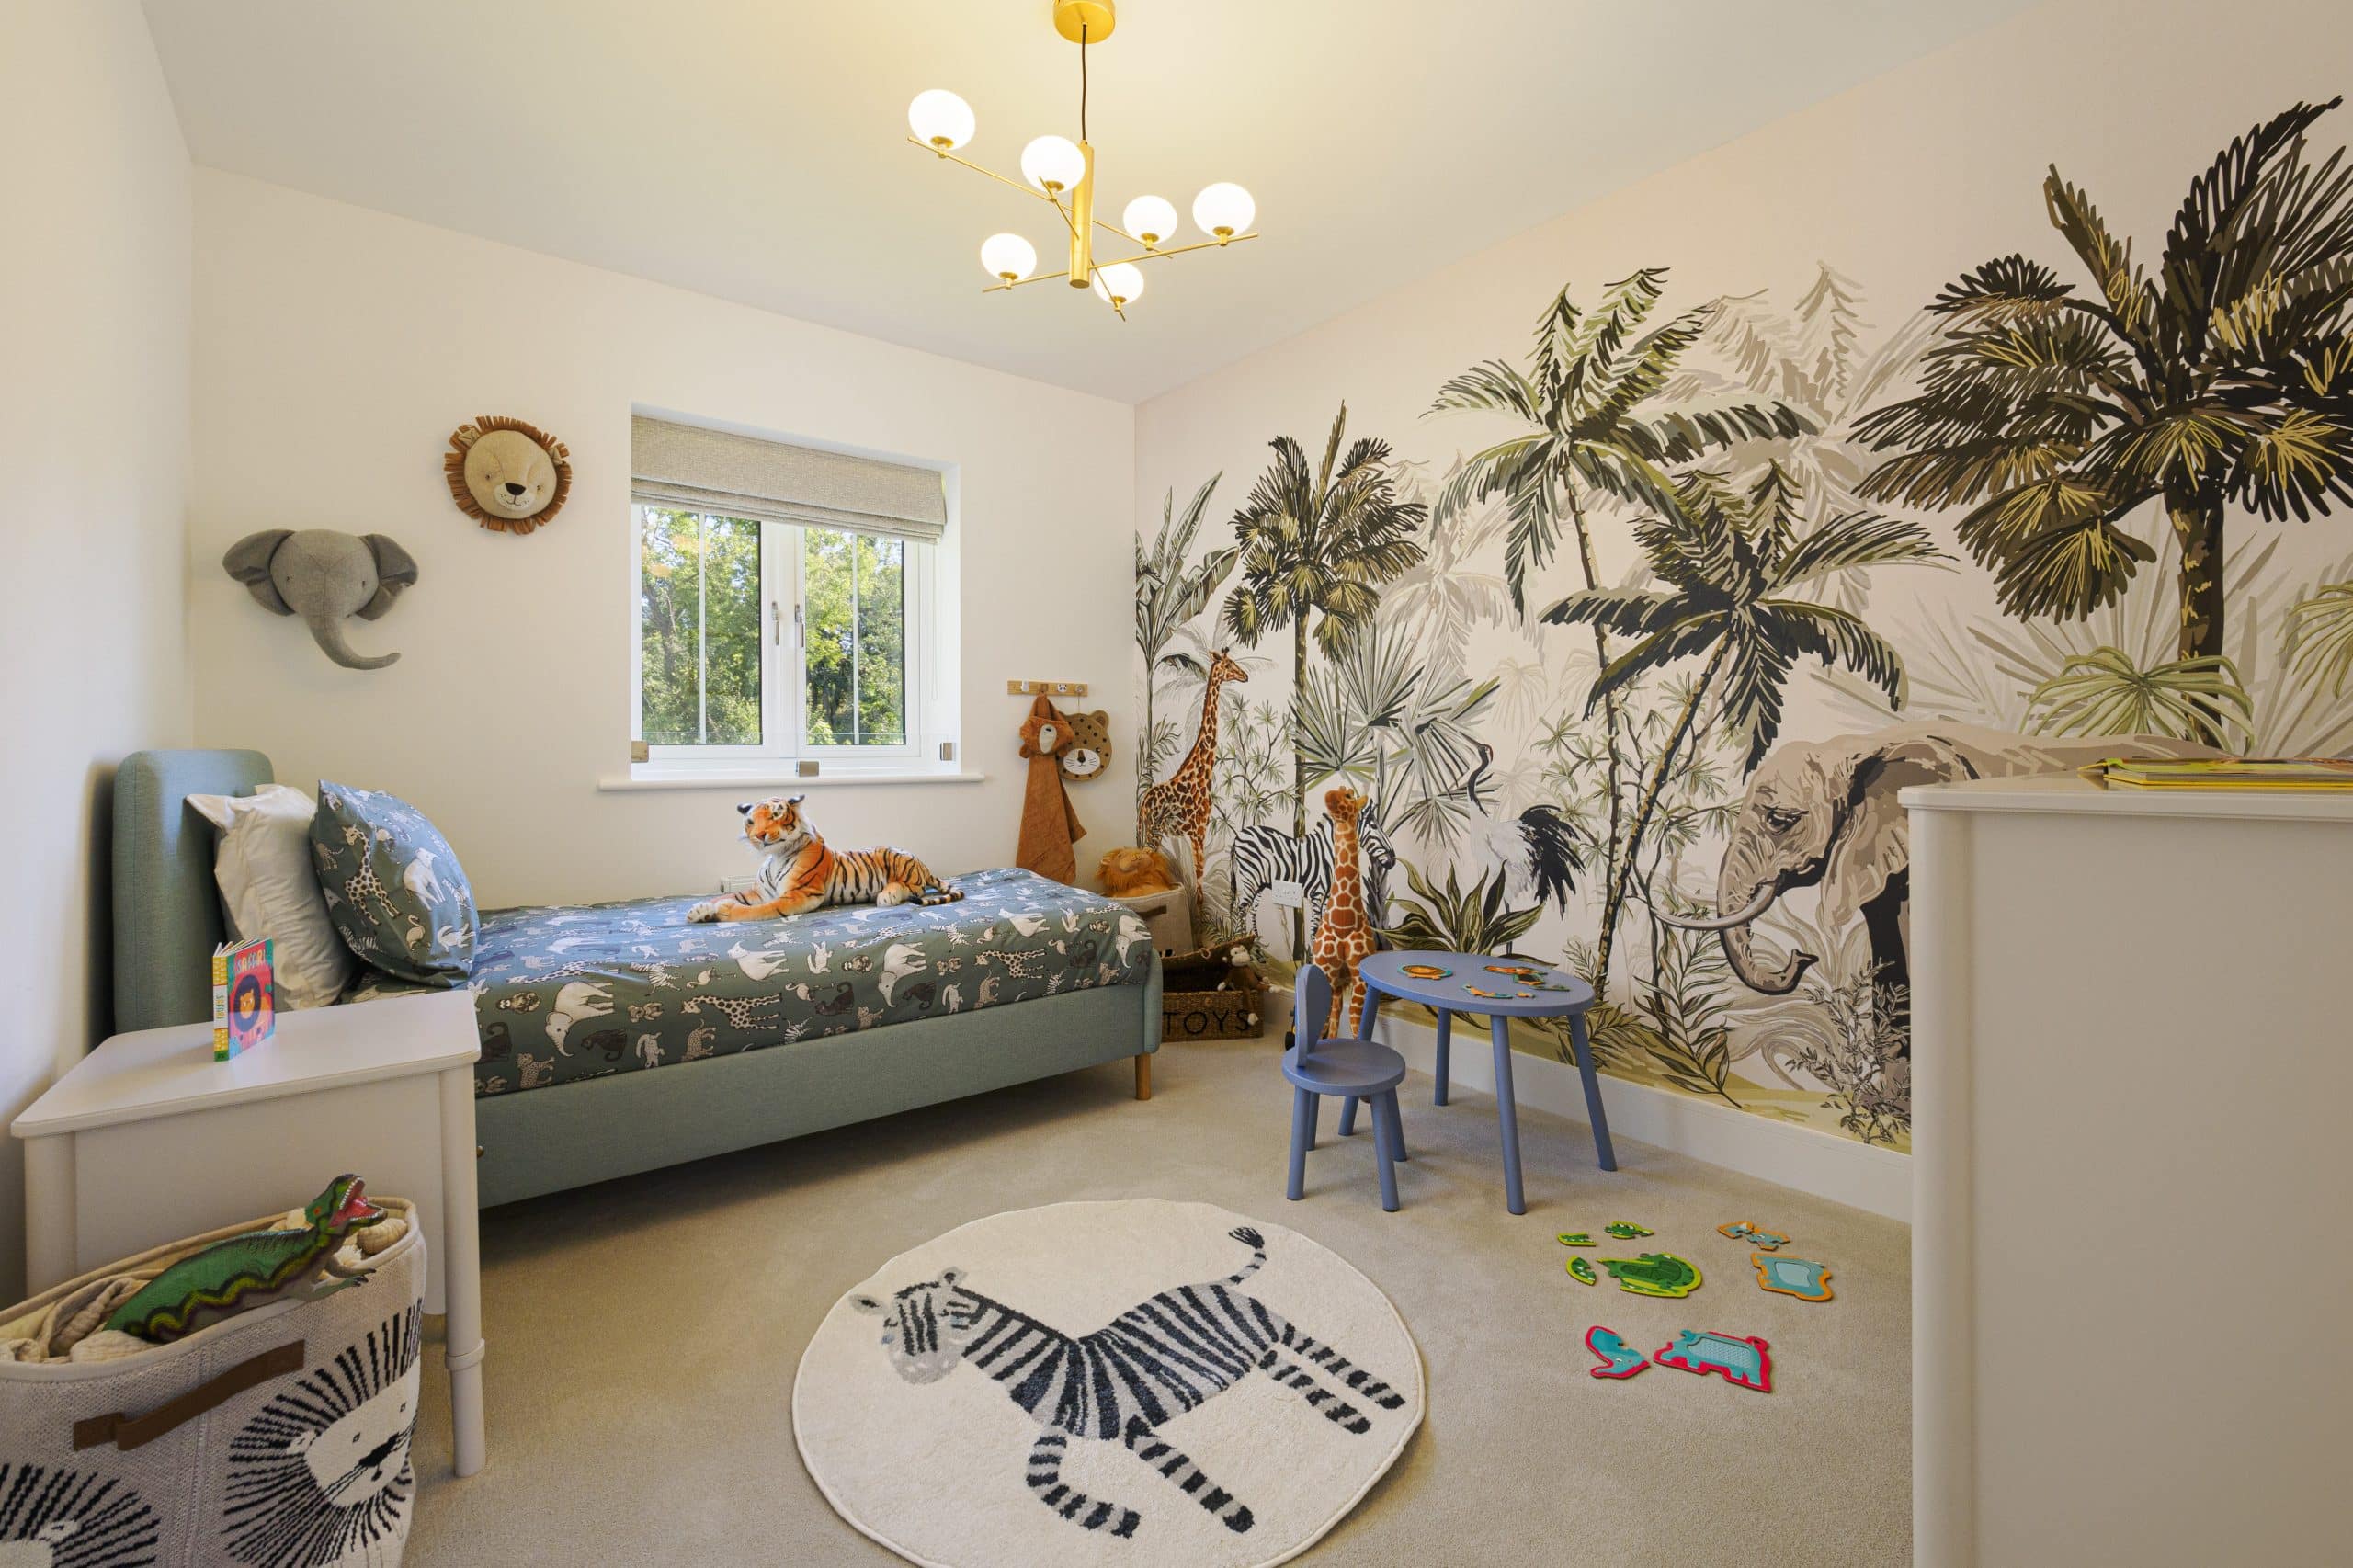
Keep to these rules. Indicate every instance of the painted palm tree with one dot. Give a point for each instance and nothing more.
(1735, 564)
(1813, 356)
(2225, 377)
(1317, 545)
(1444, 597)
(1595, 430)
(1169, 594)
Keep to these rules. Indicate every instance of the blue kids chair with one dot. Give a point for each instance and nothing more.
(1353, 1069)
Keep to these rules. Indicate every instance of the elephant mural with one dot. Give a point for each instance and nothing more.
(1824, 813)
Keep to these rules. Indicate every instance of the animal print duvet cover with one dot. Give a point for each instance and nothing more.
(562, 994)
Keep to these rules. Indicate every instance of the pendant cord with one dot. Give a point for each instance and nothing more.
(1081, 81)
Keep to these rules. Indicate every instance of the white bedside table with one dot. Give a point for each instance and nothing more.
(148, 1139)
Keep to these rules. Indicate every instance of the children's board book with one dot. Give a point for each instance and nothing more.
(2224, 773)
(244, 997)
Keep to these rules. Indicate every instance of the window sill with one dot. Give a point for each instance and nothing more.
(769, 779)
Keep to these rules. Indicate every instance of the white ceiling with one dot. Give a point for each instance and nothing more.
(754, 149)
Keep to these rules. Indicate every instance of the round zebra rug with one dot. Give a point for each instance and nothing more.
(1137, 1383)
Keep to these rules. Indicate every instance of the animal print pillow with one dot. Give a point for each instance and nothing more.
(394, 886)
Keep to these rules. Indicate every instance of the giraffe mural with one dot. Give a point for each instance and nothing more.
(1178, 805)
(1344, 936)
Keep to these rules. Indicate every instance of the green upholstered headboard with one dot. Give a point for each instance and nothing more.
(167, 906)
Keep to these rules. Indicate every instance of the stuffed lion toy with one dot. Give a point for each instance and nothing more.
(1129, 873)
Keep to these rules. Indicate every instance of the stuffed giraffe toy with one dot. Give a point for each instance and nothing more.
(1178, 806)
(1344, 936)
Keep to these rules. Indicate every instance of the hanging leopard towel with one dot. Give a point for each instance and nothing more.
(1140, 1383)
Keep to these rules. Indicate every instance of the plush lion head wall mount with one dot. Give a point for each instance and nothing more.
(506, 474)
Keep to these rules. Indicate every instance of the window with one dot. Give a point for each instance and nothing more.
(767, 641)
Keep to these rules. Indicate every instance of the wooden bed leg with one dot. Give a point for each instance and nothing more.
(1144, 1077)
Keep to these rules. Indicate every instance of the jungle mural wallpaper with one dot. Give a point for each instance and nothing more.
(2114, 433)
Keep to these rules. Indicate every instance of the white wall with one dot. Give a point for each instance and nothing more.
(94, 437)
(336, 349)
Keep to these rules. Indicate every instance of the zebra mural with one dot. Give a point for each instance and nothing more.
(1263, 855)
(1156, 1361)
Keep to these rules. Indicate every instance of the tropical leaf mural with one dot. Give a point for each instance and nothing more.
(1712, 576)
(2222, 378)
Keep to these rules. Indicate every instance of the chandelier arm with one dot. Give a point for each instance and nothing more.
(1149, 254)
(1000, 287)
(1024, 186)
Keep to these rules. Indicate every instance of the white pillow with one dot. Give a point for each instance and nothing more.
(271, 889)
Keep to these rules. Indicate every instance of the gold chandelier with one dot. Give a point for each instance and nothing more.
(1062, 173)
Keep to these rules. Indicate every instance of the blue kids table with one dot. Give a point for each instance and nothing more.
(1503, 988)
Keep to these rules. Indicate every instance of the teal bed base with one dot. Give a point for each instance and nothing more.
(167, 921)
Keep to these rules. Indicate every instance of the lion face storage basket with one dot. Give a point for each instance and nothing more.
(278, 1438)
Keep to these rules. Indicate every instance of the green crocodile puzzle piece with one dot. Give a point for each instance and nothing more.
(1582, 1272)
(1654, 1274)
(1627, 1231)
(246, 1271)
(1576, 1239)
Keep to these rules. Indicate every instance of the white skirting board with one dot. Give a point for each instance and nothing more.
(1878, 1180)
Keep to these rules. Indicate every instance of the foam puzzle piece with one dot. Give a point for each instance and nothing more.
(1427, 972)
(1499, 996)
(1792, 1277)
(1617, 1360)
(1582, 1272)
(1626, 1230)
(1763, 1241)
(1743, 1361)
(1576, 1239)
(1658, 1274)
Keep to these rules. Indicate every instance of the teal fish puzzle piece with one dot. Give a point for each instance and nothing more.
(1576, 1239)
(1617, 1360)
(1792, 1277)
(1626, 1230)
(1582, 1272)
(1742, 1361)
(1654, 1274)
(1764, 1241)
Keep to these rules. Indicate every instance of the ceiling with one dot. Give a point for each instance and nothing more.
(754, 149)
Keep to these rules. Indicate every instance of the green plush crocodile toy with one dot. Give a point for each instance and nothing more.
(247, 1271)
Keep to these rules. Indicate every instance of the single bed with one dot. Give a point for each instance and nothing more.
(618, 1039)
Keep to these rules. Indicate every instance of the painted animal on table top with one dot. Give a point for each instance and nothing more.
(1344, 937)
(1178, 806)
(246, 1271)
(799, 873)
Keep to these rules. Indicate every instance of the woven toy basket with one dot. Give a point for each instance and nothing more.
(278, 1438)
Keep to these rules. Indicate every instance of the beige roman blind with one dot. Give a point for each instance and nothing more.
(740, 476)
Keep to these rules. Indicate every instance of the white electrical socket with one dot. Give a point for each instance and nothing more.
(738, 885)
(1287, 895)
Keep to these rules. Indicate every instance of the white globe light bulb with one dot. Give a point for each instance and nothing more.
(1150, 218)
(1053, 163)
(1223, 210)
(1121, 283)
(939, 119)
(1009, 257)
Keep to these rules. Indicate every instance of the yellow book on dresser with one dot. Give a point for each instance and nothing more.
(2223, 773)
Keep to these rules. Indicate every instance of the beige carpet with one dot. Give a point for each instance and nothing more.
(643, 1333)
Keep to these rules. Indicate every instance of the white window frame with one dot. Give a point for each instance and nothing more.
(784, 670)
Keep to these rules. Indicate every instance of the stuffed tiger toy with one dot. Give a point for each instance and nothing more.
(798, 873)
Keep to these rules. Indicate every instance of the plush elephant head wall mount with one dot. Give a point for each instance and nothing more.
(322, 576)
